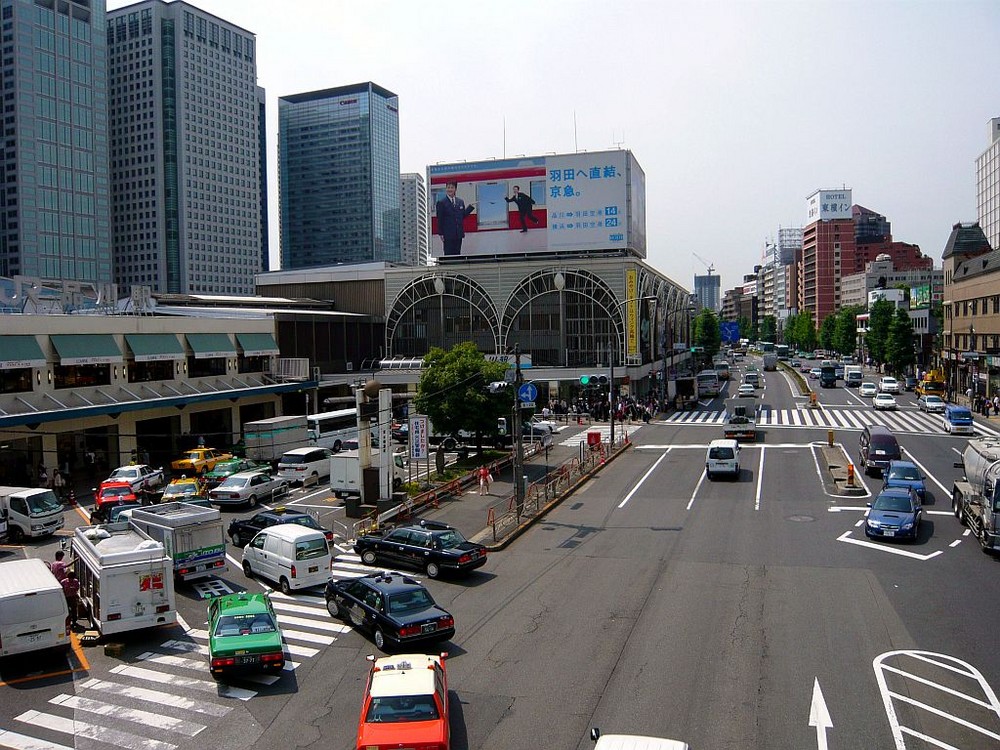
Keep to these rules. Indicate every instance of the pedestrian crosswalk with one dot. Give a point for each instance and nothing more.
(621, 430)
(166, 695)
(901, 421)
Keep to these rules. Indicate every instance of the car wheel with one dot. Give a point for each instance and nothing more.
(450, 444)
(337, 446)
(237, 539)
(283, 585)
(380, 640)
(368, 557)
(252, 501)
(956, 506)
(16, 535)
(247, 570)
(433, 570)
(333, 608)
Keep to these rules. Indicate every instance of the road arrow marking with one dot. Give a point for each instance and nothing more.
(819, 717)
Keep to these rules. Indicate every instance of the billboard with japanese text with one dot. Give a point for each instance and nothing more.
(567, 202)
(824, 205)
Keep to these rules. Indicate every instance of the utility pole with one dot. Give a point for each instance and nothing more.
(516, 437)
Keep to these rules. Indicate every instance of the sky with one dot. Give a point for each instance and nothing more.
(736, 110)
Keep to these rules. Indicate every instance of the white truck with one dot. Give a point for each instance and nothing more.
(269, 439)
(853, 376)
(31, 512)
(345, 472)
(193, 537)
(126, 578)
(741, 419)
(770, 361)
(975, 499)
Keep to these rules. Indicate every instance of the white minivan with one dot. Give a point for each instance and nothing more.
(305, 465)
(293, 556)
(723, 457)
(33, 610)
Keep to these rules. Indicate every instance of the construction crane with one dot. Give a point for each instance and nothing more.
(711, 266)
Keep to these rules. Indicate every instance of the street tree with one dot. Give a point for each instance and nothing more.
(707, 333)
(845, 335)
(899, 353)
(768, 328)
(803, 331)
(454, 391)
(827, 330)
(879, 318)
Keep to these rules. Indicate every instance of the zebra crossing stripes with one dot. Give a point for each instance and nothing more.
(621, 431)
(159, 697)
(135, 715)
(76, 728)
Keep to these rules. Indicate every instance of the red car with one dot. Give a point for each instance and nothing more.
(405, 704)
(109, 494)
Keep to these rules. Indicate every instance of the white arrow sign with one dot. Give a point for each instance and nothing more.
(819, 717)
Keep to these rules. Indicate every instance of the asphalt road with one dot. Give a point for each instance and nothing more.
(653, 601)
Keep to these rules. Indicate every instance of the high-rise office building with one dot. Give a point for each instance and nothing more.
(186, 169)
(338, 163)
(988, 185)
(414, 219)
(55, 147)
(708, 291)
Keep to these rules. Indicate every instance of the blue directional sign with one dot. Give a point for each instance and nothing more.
(730, 330)
(527, 392)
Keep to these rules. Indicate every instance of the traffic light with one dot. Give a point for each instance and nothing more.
(593, 381)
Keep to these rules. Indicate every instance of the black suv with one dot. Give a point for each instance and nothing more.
(241, 531)
(429, 546)
(393, 608)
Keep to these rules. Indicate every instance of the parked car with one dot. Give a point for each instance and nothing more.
(931, 403)
(244, 635)
(429, 546)
(867, 390)
(225, 469)
(392, 608)
(242, 530)
(248, 488)
(183, 489)
(905, 474)
(140, 476)
(199, 460)
(888, 385)
(895, 513)
(405, 703)
(884, 402)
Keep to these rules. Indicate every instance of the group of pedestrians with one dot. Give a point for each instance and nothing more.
(57, 482)
(982, 404)
(67, 578)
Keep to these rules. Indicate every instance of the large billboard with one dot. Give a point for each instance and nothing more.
(825, 205)
(567, 202)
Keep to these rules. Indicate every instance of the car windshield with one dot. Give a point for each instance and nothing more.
(898, 503)
(450, 539)
(311, 548)
(245, 624)
(904, 472)
(234, 483)
(116, 512)
(887, 445)
(933, 400)
(181, 489)
(193, 456)
(123, 473)
(409, 601)
(720, 453)
(961, 412)
(394, 708)
(303, 521)
(116, 491)
(45, 502)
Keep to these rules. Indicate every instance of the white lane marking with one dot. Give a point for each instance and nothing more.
(644, 478)
(760, 479)
(955, 543)
(307, 598)
(204, 686)
(156, 696)
(187, 647)
(704, 473)
(846, 537)
(92, 731)
(327, 625)
(909, 457)
(16, 741)
(281, 606)
(183, 623)
(198, 665)
(146, 718)
(937, 686)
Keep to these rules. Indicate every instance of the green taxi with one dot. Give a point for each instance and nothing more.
(224, 469)
(243, 635)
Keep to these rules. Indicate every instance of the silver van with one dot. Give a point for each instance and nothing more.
(292, 556)
(33, 610)
(305, 465)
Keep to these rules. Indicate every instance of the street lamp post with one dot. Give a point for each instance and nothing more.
(611, 359)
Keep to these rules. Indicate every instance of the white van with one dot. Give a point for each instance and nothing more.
(723, 457)
(301, 465)
(634, 742)
(33, 611)
(293, 556)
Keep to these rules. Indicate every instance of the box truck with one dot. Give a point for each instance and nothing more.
(126, 578)
(345, 472)
(193, 537)
(31, 511)
(33, 610)
(268, 439)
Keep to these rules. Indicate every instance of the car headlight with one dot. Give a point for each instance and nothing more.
(908, 525)
(874, 524)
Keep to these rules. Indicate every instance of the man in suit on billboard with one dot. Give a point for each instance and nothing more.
(524, 203)
(451, 211)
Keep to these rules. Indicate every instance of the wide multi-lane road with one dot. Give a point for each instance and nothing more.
(746, 614)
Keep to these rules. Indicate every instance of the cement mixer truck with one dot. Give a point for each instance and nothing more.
(975, 500)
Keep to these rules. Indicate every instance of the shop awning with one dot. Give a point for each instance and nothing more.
(152, 347)
(257, 344)
(17, 352)
(87, 349)
(209, 345)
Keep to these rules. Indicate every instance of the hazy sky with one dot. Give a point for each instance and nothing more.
(736, 111)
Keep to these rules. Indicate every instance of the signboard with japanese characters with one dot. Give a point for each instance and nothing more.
(825, 205)
(418, 435)
(568, 202)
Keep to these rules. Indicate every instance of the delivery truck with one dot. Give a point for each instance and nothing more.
(269, 439)
(345, 472)
(33, 611)
(31, 512)
(193, 537)
(126, 578)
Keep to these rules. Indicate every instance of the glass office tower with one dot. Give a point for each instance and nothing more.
(338, 165)
(54, 206)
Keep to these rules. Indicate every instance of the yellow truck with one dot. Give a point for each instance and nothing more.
(931, 383)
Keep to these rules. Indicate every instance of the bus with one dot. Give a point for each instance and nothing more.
(708, 384)
(782, 351)
(766, 347)
(332, 429)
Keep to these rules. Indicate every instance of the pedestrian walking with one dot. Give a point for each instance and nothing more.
(58, 567)
(58, 483)
(71, 590)
(43, 476)
(484, 480)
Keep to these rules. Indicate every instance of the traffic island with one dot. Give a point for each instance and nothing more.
(839, 471)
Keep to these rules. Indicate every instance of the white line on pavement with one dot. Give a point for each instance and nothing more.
(644, 478)
(846, 537)
(760, 479)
